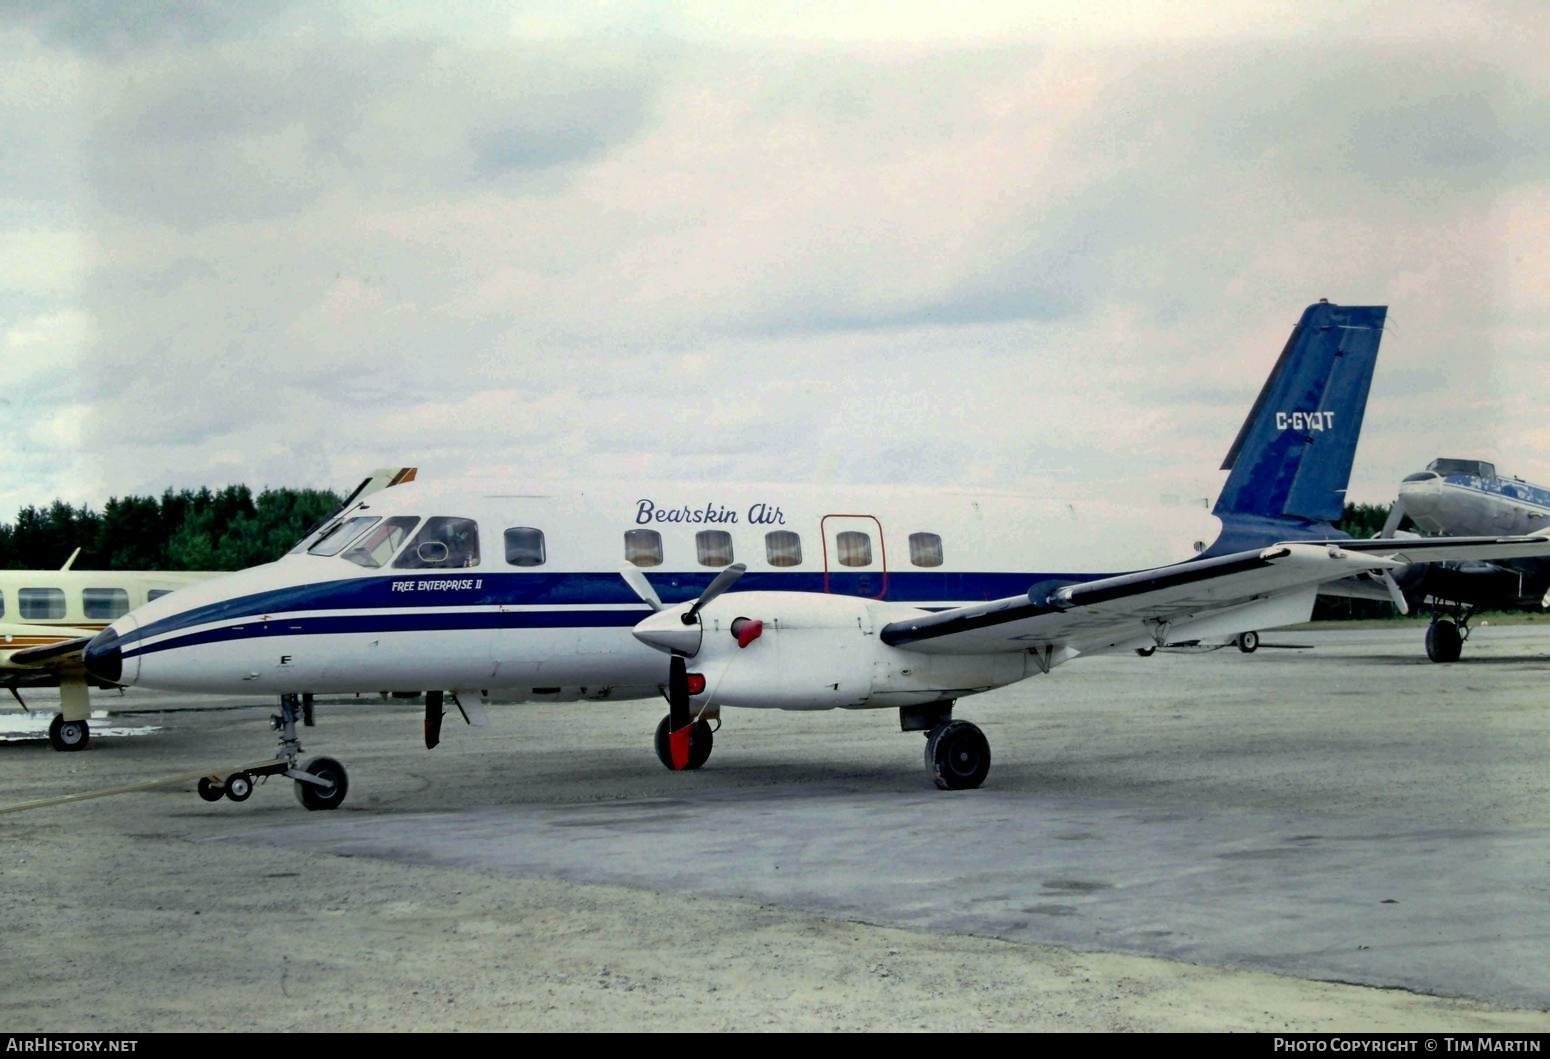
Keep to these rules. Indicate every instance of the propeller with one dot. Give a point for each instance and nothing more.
(665, 634)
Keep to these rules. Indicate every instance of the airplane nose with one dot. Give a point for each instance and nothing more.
(104, 656)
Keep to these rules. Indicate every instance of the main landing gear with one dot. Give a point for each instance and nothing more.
(1445, 636)
(701, 738)
(321, 783)
(957, 752)
(68, 735)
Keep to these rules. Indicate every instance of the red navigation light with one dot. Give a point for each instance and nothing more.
(696, 683)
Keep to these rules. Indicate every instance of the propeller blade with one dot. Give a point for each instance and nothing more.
(433, 713)
(724, 580)
(677, 692)
(1390, 524)
(678, 720)
(1395, 594)
(641, 587)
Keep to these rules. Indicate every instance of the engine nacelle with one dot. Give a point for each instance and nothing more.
(820, 652)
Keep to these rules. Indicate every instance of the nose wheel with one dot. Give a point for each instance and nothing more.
(321, 783)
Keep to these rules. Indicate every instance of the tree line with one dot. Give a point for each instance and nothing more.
(227, 529)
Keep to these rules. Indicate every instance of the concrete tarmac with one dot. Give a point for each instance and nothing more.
(1181, 841)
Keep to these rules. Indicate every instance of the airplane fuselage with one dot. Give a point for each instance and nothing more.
(528, 599)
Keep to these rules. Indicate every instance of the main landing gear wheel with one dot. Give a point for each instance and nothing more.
(68, 735)
(313, 797)
(1248, 642)
(210, 791)
(700, 741)
(239, 786)
(957, 756)
(1146, 652)
(1444, 643)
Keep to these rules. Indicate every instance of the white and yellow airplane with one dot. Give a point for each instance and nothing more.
(778, 596)
(55, 611)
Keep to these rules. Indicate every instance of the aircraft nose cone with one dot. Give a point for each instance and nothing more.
(666, 631)
(104, 655)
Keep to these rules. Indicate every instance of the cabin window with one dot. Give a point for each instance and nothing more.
(2, 604)
(157, 593)
(378, 546)
(854, 548)
(41, 604)
(783, 548)
(925, 549)
(443, 543)
(106, 603)
(714, 547)
(643, 547)
(333, 542)
(525, 546)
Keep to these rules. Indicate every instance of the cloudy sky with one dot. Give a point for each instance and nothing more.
(870, 242)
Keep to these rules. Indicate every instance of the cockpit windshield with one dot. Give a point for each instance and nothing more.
(442, 543)
(1473, 468)
(334, 540)
(378, 546)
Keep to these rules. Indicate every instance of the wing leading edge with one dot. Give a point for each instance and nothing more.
(1264, 588)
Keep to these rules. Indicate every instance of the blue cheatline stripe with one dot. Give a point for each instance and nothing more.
(581, 590)
(422, 621)
(1519, 492)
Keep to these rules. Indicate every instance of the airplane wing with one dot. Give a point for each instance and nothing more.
(1409, 550)
(1229, 593)
(57, 654)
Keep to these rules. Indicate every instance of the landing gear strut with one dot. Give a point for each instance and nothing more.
(68, 735)
(320, 784)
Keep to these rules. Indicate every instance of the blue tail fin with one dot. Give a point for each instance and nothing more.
(1292, 458)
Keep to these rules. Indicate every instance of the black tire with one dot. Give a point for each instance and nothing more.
(210, 792)
(958, 756)
(68, 735)
(701, 739)
(314, 798)
(1443, 641)
(1248, 642)
(239, 786)
(1146, 652)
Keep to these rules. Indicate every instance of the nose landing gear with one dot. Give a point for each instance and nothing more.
(320, 784)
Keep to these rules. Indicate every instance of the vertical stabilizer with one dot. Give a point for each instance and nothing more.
(1292, 457)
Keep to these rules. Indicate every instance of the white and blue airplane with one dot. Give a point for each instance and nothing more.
(777, 596)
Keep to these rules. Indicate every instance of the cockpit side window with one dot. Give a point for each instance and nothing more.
(378, 546)
(442, 543)
(334, 541)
